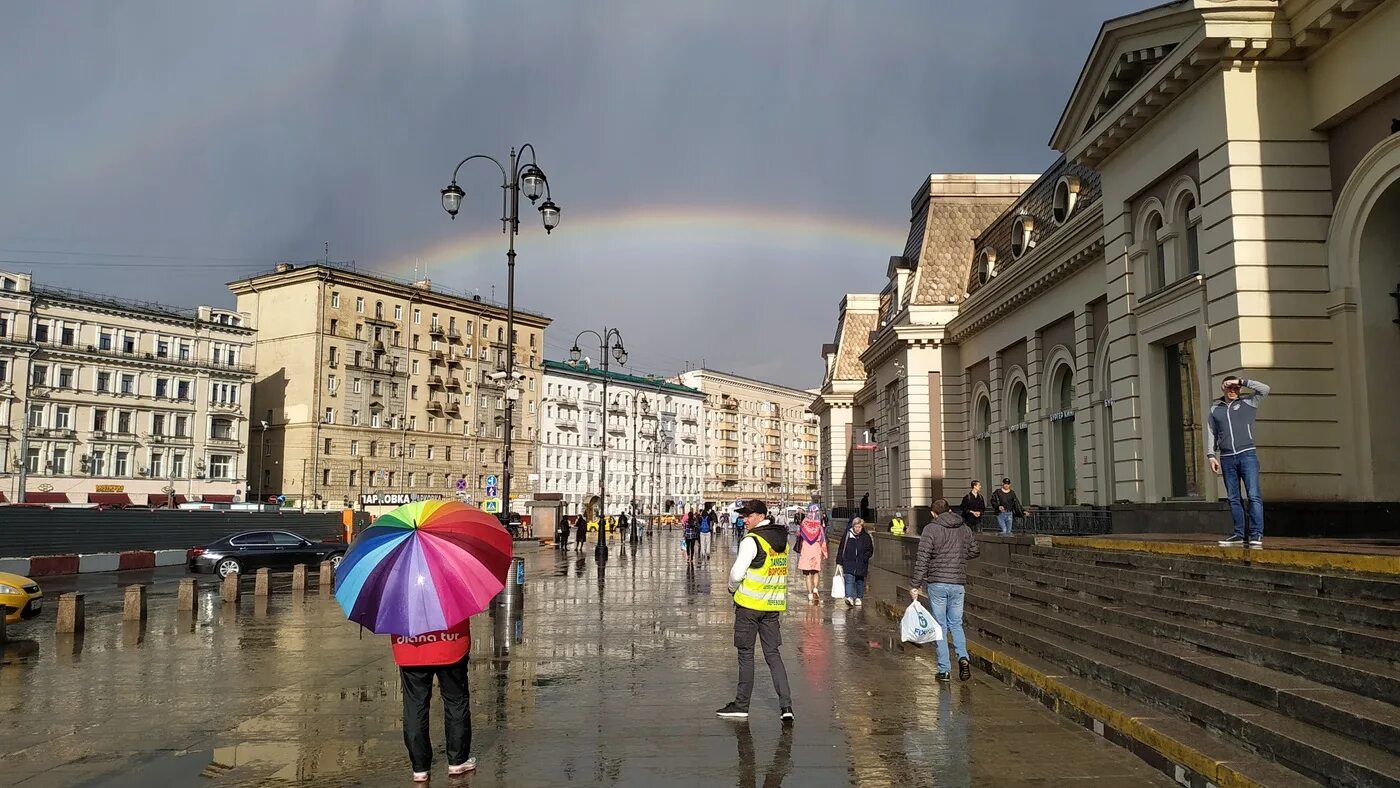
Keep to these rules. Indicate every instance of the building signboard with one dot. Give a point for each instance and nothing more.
(396, 499)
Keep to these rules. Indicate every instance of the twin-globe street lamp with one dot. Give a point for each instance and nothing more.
(620, 354)
(526, 176)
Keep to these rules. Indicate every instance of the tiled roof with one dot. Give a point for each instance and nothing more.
(852, 340)
(948, 246)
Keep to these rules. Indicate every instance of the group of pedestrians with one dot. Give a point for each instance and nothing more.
(697, 534)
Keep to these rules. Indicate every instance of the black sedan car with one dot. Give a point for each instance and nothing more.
(252, 550)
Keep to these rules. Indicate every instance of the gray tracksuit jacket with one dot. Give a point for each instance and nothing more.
(1230, 427)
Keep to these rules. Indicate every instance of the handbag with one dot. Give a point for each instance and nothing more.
(838, 586)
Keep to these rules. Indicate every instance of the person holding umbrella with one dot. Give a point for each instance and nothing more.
(419, 574)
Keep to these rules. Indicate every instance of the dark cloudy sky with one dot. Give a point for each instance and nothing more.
(727, 170)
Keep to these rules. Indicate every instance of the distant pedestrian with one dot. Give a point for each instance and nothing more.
(705, 525)
(973, 505)
(897, 524)
(443, 655)
(580, 532)
(623, 525)
(690, 532)
(738, 523)
(945, 547)
(812, 554)
(1230, 443)
(758, 580)
(865, 513)
(561, 533)
(1008, 506)
(853, 559)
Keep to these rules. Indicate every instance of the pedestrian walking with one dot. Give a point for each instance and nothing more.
(973, 505)
(580, 532)
(758, 580)
(853, 560)
(690, 532)
(1008, 506)
(442, 655)
(623, 524)
(738, 523)
(1230, 446)
(705, 525)
(561, 533)
(945, 547)
(812, 554)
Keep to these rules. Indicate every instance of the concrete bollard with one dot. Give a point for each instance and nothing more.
(327, 577)
(231, 589)
(185, 600)
(134, 603)
(260, 583)
(71, 613)
(299, 578)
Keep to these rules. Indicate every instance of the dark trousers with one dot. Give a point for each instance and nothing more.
(764, 625)
(456, 713)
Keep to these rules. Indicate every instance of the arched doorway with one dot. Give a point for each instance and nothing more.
(1019, 433)
(1062, 428)
(1364, 269)
(982, 442)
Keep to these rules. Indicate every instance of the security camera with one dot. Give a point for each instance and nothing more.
(497, 376)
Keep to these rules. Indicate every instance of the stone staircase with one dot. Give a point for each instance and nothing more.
(1218, 671)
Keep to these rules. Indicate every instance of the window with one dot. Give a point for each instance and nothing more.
(128, 343)
(354, 448)
(1066, 197)
(157, 465)
(333, 354)
(1183, 418)
(353, 478)
(330, 383)
(329, 416)
(121, 463)
(326, 446)
(124, 422)
(99, 420)
(1022, 235)
(128, 384)
(326, 477)
(177, 465)
(374, 419)
(67, 378)
(67, 336)
(32, 460)
(1062, 425)
(415, 366)
(335, 326)
(41, 332)
(378, 310)
(1157, 263)
(222, 429)
(375, 389)
(162, 388)
(359, 331)
(335, 300)
(1020, 439)
(373, 448)
(182, 391)
(354, 418)
(220, 466)
(413, 392)
(418, 317)
(182, 426)
(39, 375)
(986, 265)
(60, 460)
(356, 385)
(63, 417)
(162, 348)
(432, 450)
(1191, 257)
(104, 381)
(359, 304)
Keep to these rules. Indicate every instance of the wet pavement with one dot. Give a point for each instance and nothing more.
(607, 679)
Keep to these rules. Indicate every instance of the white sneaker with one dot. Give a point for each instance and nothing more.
(462, 768)
(850, 602)
(420, 777)
(858, 602)
(1256, 544)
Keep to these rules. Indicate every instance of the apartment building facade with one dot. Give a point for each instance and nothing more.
(760, 439)
(118, 402)
(367, 386)
(656, 461)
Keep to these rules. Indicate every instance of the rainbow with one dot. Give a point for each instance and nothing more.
(675, 227)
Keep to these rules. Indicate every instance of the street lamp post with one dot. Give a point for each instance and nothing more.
(530, 178)
(262, 458)
(619, 353)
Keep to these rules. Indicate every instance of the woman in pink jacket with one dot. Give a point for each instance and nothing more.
(811, 549)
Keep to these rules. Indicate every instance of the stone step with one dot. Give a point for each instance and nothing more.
(1370, 721)
(1365, 677)
(1184, 750)
(1323, 608)
(1382, 589)
(1310, 750)
(1354, 639)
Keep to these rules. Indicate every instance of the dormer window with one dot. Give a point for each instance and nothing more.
(1022, 235)
(986, 265)
(1066, 197)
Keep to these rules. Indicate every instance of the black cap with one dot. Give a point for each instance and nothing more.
(754, 506)
(1005, 481)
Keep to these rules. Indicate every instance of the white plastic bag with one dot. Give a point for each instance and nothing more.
(838, 586)
(918, 625)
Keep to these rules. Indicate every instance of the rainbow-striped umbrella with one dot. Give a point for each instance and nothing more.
(424, 567)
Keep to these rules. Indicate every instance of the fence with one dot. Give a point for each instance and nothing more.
(29, 532)
(1066, 521)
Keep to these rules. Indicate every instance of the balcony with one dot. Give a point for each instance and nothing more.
(378, 346)
(437, 330)
(617, 428)
(454, 335)
(566, 423)
(617, 409)
(454, 383)
(729, 403)
(436, 357)
(226, 407)
(454, 405)
(690, 419)
(61, 433)
(135, 355)
(223, 440)
(454, 360)
(728, 478)
(435, 406)
(380, 320)
(567, 400)
(435, 381)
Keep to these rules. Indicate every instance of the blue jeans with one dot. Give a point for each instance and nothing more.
(945, 602)
(1241, 474)
(855, 586)
(1004, 520)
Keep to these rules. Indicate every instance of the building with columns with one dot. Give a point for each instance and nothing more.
(1226, 202)
(368, 385)
(655, 457)
(760, 439)
(117, 402)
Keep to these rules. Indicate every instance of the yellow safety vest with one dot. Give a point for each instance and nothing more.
(897, 526)
(765, 588)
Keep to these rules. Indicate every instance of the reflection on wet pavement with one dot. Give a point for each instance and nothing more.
(598, 678)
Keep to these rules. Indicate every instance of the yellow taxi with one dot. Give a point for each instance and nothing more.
(20, 597)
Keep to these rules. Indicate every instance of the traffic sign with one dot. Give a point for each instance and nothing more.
(491, 481)
(491, 492)
(491, 506)
(461, 485)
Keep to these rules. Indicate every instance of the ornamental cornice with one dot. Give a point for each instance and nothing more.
(1036, 283)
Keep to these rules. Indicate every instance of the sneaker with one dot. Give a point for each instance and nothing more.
(1256, 544)
(786, 716)
(733, 711)
(964, 669)
(462, 768)
(1234, 541)
(850, 603)
(858, 602)
(944, 677)
(420, 777)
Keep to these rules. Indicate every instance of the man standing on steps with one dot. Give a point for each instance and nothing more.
(1230, 447)
(758, 581)
(1008, 506)
(945, 547)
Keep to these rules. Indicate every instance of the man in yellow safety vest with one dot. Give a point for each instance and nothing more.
(897, 524)
(758, 581)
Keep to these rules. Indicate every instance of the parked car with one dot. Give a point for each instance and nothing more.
(20, 598)
(258, 549)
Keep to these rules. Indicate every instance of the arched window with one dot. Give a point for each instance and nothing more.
(1191, 249)
(1062, 423)
(982, 440)
(1066, 196)
(1020, 471)
(1157, 255)
(986, 265)
(379, 310)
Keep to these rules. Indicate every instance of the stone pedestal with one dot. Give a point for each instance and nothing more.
(327, 578)
(134, 603)
(261, 583)
(71, 613)
(185, 599)
(231, 590)
(299, 578)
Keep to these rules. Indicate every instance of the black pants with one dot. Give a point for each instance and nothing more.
(456, 713)
(690, 545)
(764, 625)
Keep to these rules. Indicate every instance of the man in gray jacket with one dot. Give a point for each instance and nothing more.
(945, 547)
(1230, 448)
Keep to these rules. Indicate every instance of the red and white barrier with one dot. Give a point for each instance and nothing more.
(71, 564)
